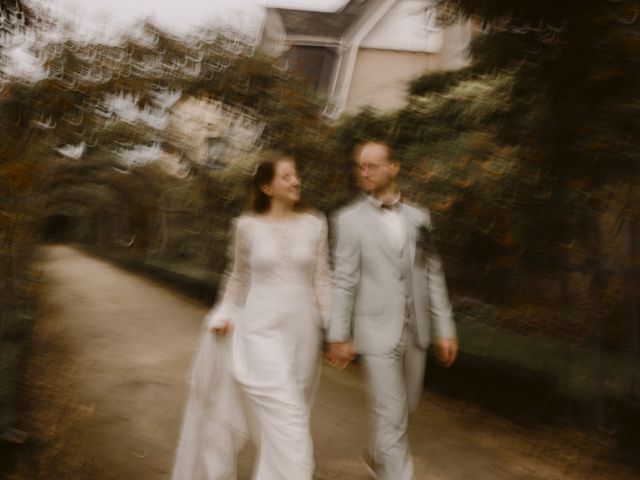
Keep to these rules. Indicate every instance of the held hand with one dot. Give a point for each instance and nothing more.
(446, 351)
(223, 330)
(340, 355)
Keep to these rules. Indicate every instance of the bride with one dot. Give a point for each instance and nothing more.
(258, 362)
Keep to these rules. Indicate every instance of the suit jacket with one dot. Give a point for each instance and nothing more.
(367, 303)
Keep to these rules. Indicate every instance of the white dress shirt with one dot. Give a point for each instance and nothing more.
(390, 216)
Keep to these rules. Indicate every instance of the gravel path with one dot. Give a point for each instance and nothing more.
(105, 387)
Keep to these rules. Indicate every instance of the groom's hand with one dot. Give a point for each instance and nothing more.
(446, 351)
(340, 354)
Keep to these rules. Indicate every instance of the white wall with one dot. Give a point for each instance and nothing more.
(381, 77)
(410, 25)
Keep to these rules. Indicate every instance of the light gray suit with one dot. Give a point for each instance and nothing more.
(389, 300)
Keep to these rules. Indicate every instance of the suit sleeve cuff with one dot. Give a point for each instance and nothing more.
(446, 329)
(335, 335)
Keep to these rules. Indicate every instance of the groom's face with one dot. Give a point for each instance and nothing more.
(374, 169)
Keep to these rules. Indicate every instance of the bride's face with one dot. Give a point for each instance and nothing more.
(285, 186)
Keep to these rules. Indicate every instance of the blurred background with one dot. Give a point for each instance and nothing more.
(129, 131)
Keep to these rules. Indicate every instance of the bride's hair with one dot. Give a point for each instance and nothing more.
(258, 201)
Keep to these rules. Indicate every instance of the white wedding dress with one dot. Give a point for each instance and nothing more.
(260, 380)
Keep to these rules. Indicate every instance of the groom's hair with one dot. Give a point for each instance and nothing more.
(391, 154)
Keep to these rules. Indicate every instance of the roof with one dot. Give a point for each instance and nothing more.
(322, 24)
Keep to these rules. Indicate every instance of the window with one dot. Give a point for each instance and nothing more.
(216, 148)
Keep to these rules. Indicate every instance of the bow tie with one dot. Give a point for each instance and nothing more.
(386, 206)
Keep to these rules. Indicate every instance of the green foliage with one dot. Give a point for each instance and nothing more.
(96, 198)
(437, 82)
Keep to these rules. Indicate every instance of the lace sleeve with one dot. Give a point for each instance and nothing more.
(236, 278)
(322, 274)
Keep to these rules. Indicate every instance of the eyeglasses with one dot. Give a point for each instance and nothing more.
(368, 167)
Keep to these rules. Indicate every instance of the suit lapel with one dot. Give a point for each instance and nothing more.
(410, 229)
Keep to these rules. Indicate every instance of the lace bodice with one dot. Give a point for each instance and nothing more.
(280, 258)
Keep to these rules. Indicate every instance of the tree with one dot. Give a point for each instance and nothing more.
(572, 115)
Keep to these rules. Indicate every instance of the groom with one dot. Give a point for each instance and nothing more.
(390, 299)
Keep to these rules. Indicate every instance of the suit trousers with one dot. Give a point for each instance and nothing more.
(395, 385)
